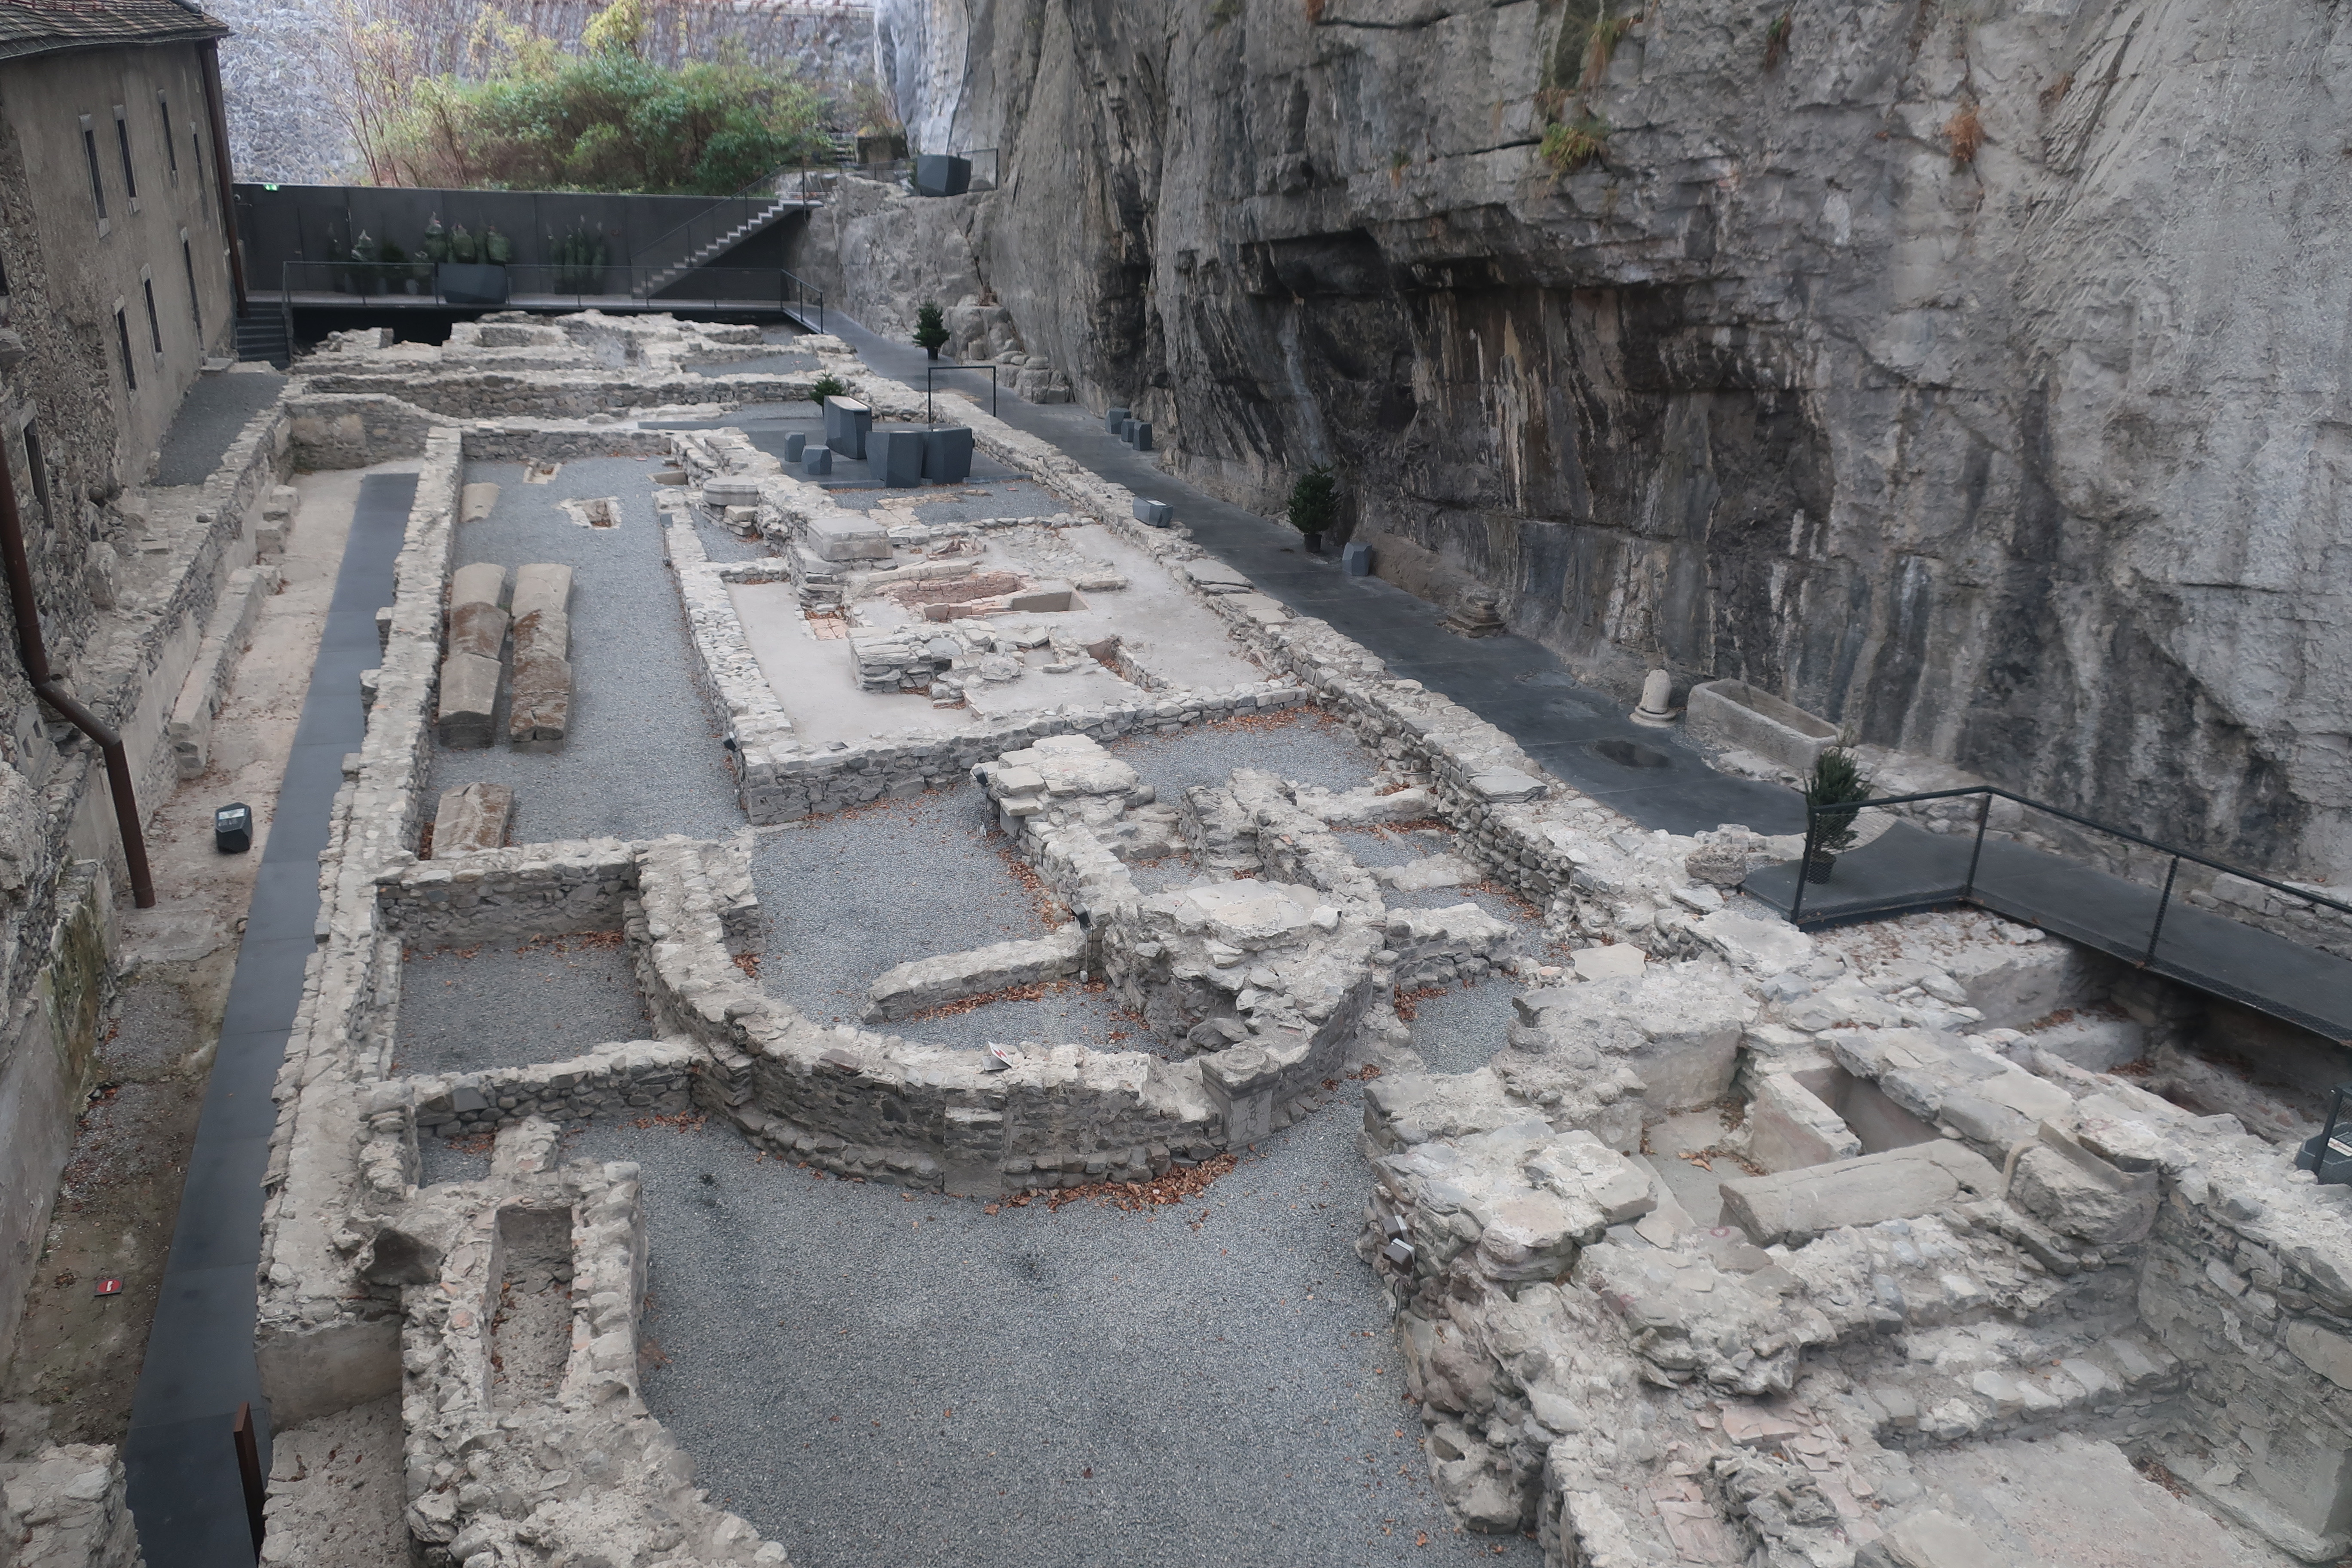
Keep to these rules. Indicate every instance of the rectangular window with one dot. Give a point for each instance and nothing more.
(195, 298)
(39, 468)
(97, 180)
(122, 337)
(197, 161)
(171, 148)
(155, 322)
(122, 138)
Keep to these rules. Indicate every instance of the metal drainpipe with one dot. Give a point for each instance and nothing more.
(46, 686)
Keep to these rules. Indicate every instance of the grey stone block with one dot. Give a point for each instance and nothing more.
(1734, 713)
(1158, 513)
(1141, 435)
(471, 819)
(483, 582)
(1795, 1207)
(470, 694)
(794, 444)
(847, 536)
(542, 586)
(894, 455)
(477, 628)
(946, 454)
(1113, 418)
(847, 423)
(817, 461)
(941, 175)
(1355, 560)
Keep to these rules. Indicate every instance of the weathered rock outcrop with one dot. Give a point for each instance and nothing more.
(1947, 371)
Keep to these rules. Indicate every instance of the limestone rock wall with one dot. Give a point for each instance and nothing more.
(2028, 459)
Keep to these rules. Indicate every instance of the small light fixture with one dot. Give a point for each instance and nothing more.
(233, 829)
(2328, 1156)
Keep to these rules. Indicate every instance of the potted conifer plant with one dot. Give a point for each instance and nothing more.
(931, 327)
(1837, 780)
(1315, 505)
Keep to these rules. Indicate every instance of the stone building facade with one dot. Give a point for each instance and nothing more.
(116, 285)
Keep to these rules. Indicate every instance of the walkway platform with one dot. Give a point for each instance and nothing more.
(1906, 869)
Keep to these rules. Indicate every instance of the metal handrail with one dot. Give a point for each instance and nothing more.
(771, 184)
(776, 289)
(1988, 794)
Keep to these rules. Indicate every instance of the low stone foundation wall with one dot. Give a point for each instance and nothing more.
(67, 1507)
(523, 890)
(633, 1078)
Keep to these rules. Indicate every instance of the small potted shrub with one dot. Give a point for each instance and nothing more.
(395, 268)
(1315, 505)
(463, 249)
(435, 248)
(828, 386)
(496, 248)
(368, 273)
(1837, 780)
(931, 327)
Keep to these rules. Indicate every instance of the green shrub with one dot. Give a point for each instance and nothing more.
(1837, 780)
(602, 119)
(1568, 148)
(1314, 500)
(827, 386)
(930, 326)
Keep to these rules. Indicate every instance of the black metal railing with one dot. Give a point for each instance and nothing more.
(1844, 812)
(759, 199)
(535, 286)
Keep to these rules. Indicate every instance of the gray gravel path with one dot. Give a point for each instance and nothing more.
(208, 418)
(870, 1379)
(785, 361)
(513, 1002)
(848, 896)
(1460, 1029)
(1302, 745)
(642, 758)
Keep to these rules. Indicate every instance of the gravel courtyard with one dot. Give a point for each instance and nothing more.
(871, 1377)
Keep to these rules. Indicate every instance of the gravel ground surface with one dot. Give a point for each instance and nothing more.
(1300, 744)
(642, 758)
(209, 417)
(512, 1003)
(870, 1377)
(1170, 872)
(852, 894)
(1462, 1028)
(439, 1160)
(722, 545)
(1065, 1014)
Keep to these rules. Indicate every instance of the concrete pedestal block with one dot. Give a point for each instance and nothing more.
(794, 444)
(1113, 418)
(894, 455)
(847, 423)
(1140, 436)
(847, 536)
(946, 454)
(1158, 513)
(1355, 560)
(941, 175)
(817, 461)
(469, 696)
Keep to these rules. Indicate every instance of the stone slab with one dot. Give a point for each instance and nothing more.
(470, 696)
(477, 628)
(846, 536)
(483, 582)
(542, 586)
(473, 817)
(1797, 1205)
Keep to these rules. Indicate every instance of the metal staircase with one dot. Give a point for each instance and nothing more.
(262, 334)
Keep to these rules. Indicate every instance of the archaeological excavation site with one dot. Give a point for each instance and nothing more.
(1324, 783)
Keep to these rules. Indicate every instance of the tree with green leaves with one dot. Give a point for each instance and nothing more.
(1837, 780)
(931, 327)
(1314, 500)
(603, 118)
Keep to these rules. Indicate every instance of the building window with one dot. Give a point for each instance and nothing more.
(155, 322)
(122, 338)
(97, 180)
(195, 298)
(196, 162)
(129, 176)
(39, 468)
(171, 148)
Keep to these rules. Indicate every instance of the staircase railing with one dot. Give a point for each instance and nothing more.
(531, 286)
(804, 185)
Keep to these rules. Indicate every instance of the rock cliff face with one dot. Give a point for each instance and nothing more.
(1972, 373)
